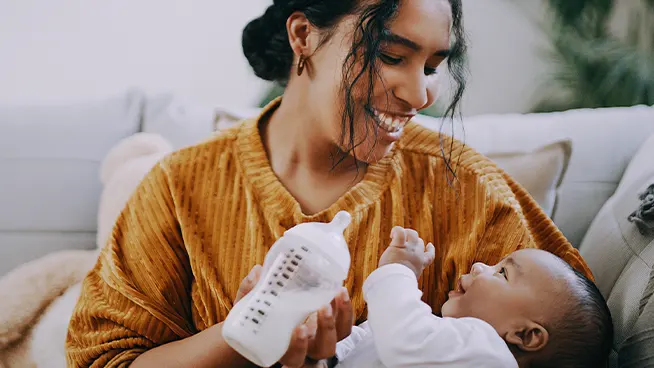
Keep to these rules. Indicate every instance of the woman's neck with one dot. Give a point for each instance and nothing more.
(296, 141)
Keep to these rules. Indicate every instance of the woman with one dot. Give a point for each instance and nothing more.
(340, 139)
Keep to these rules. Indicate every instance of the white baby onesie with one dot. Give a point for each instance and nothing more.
(401, 331)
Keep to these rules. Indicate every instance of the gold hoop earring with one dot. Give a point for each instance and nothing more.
(301, 64)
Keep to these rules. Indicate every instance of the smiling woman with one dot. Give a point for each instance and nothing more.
(340, 139)
(361, 53)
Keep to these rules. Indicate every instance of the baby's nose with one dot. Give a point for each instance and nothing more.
(478, 268)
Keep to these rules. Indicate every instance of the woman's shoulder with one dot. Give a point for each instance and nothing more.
(439, 149)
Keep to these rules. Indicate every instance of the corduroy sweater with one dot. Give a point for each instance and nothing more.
(206, 214)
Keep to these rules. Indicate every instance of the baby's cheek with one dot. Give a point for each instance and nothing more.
(450, 309)
(446, 309)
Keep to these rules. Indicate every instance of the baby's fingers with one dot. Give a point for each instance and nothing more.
(430, 254)
(398, 237)
(413, 238)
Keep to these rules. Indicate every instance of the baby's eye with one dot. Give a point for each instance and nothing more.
(503, 272)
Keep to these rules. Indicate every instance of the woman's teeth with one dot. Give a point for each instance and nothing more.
(390, 123)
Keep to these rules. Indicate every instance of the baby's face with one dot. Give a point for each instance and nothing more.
(525, 285)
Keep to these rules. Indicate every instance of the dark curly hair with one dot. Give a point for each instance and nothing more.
(582, 336)
(266, 46)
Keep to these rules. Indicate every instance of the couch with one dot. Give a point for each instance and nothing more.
(585, 167)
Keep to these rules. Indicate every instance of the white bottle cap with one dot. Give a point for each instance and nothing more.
(328, 238)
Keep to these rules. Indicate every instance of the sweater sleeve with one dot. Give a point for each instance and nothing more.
(545, 233)
(406, 334)
(514, 221)
(137, 295)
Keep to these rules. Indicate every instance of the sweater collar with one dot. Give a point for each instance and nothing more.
(275, 200)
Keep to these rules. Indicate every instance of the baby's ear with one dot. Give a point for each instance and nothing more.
(531, 337)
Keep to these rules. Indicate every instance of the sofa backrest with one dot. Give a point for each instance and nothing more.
(62, 163)
(49, 166)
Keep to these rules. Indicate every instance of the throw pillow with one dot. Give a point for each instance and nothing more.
(540, 171)
(620, 255)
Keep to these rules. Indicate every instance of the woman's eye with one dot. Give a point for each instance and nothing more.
(430, 71)
(390, 60)
(502, 272)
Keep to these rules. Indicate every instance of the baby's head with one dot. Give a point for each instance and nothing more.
(548, 313)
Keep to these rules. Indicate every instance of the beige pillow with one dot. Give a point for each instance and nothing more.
(540, 171)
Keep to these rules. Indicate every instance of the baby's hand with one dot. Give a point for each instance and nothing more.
(407, 248)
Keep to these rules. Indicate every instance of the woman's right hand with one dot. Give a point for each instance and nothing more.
(314, 340)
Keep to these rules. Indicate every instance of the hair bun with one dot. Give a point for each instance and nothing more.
(265, 44)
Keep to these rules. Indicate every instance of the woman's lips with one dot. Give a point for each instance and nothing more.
(391, 125)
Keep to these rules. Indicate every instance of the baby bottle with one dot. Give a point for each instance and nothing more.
(302, 271)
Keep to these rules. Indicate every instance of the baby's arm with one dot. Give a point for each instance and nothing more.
(405, 331)
(345, 346)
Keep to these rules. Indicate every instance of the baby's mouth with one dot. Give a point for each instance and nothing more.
(458, 290)
(459, 286)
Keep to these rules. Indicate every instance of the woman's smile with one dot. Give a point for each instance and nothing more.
(391, 125)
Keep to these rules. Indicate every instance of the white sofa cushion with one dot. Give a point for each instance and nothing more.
(621, 258)
(180, 122)
(49, 160)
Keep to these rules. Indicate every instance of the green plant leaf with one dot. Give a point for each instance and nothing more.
(593, 68)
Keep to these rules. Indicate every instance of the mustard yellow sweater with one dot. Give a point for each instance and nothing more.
(206, 214)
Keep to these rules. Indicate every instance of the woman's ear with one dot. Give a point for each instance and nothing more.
(530, 338)
(299, 30)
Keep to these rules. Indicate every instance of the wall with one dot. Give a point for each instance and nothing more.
(507, 67)
(61, 50)
(54, 50)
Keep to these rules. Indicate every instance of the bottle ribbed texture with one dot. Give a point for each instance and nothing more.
(206, 214)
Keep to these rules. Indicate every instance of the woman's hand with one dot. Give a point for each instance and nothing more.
(248, 283)
(315, 340)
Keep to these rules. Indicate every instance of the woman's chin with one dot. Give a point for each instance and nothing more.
(373, 153)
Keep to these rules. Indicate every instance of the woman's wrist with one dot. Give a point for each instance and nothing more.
(323, 363)
(205, 349)
(331, 362)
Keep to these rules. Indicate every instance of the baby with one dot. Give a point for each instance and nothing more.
(530, 310)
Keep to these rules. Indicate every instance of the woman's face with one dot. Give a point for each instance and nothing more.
(409, 59)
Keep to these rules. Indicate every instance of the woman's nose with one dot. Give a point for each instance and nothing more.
(414, 91)
(478, 268)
